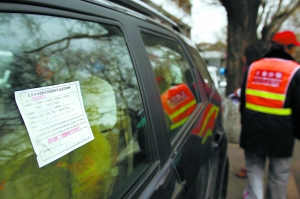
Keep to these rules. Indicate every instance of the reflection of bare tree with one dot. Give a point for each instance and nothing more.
(27, 22)
(70, 57)
(67, 39)
(9, 154)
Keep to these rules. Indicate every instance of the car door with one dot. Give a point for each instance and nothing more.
(74, 118)
(219, 161)
(191, 133)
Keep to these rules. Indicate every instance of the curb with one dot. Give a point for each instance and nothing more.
(292, 190)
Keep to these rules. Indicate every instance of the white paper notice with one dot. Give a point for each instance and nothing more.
(55, 120)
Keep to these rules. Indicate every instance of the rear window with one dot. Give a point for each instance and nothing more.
(55, 148)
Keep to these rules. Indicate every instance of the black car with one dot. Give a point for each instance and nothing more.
(98, 100)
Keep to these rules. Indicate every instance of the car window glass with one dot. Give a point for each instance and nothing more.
(174, 80)
(38, 51)
(207, 82)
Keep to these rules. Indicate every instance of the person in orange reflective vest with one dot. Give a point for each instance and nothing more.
(270, 108)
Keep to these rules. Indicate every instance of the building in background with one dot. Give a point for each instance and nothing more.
(213, 54)
(214, 57)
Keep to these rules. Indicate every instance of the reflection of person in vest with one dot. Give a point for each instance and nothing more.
(178, 102)
(270, 110)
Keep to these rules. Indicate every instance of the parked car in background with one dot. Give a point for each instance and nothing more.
(100, 101)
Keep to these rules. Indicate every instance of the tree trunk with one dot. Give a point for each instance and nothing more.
(242, 27)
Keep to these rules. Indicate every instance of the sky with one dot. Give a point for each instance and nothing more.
(208, 22)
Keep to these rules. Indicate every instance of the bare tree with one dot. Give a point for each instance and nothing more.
(251, 21)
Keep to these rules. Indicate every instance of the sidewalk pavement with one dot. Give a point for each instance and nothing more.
(237, 185)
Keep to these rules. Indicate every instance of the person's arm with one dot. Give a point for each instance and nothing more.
(243, 88)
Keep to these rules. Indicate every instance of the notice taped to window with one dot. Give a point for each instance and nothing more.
(55, 120)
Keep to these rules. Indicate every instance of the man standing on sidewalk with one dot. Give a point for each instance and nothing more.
(270, 108)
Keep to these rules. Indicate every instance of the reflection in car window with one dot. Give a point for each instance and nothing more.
(202, 70)
(174, 80)
(37, 51)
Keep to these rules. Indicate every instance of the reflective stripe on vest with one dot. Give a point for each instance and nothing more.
(179, 103)
(267, 84)
(265, 94)
(273, 111)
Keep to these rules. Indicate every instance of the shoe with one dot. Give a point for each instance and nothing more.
(246, 195)
(241, 174)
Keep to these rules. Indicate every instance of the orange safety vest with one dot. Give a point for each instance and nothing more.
(178, 102)
(267, 84)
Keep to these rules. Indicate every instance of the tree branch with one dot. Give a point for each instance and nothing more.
(267, 16)
(279, 6)
(63, 48)
(276, 22)
(279, 19)
(260, 16)
(78, 36)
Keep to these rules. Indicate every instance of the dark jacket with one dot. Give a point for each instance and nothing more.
(267, 134)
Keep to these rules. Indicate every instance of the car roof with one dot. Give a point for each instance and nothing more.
(141, 10)
(138, 9)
